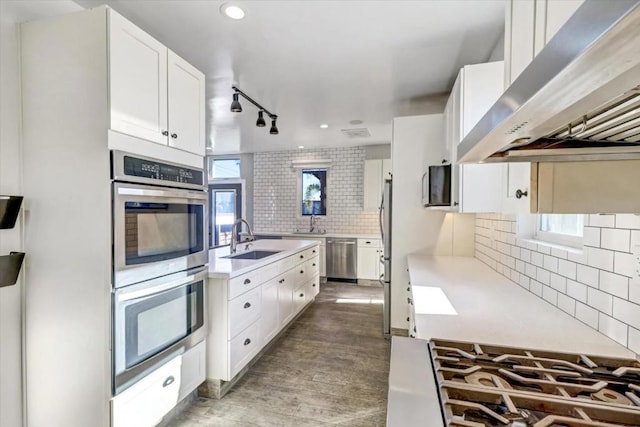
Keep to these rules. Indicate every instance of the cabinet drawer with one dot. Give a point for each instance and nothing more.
(241, 284)
(307, 270)
(244, 310)
(307, 254)
(313, 287)
(243, 347)
(148, 400)
(369, 243)
(300, 297)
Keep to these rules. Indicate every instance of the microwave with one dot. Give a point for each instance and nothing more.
(436, 186)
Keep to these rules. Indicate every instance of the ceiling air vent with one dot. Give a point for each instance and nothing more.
(356, 133)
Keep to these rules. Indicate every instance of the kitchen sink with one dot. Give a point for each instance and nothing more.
(252, 255)
(310, 233)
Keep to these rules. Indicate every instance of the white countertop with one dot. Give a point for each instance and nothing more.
(229, 267)
(317, 235)
(491, 309)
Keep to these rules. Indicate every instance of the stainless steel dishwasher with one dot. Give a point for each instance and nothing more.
(342, 259)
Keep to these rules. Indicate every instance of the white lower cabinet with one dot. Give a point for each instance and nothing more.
(246, 312)
(193, 371)
(369, 252)
(146, 402)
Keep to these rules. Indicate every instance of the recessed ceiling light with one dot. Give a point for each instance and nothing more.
(356, 122)
(300, 146)
(232, 11)
(324, 126)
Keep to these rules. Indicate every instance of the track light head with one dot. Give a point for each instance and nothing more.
(260, 122)
(274, 128)
(235, 105)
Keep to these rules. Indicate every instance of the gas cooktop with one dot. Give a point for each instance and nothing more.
(488, 385)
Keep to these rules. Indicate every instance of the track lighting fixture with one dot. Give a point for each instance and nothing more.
(235, 105)
(260, 122)
(237, 108)
(274, 128)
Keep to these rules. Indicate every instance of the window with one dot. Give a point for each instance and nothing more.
(561, 229)
(313, 191)
(224, 168)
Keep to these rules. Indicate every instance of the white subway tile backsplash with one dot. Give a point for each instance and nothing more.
(543, 276)
(599, 220)
(558, 283)
(577, 290)
(600, 258)
(591, 236)
(549, 294)
(627, 312)
(614, 284)
(595, 285)
(624, 264)
(537, 259)
(588, 275)
(600, 300)
(536, 287)
(567, 269)
(631, 221)
(587, 315)
(613, 328)
(567, 304)
(615, 239)
(550, 263)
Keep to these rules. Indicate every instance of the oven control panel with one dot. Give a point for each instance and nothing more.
(127, 167)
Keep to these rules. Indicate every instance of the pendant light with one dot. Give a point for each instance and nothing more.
(274, 128)
(260, 122)
(237, 108)
(235, 105)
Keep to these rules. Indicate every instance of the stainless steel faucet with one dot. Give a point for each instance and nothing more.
(312, 223)
(234, 234)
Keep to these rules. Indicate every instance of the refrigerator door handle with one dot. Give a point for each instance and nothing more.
(380, 218)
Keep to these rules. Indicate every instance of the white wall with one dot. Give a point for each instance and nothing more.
(11, 306)
(598, 285)
(414, 228)
(276, 205)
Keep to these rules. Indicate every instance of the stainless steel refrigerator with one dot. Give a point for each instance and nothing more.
(385, 259)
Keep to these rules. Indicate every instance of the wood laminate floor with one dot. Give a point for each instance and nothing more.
(330, 368)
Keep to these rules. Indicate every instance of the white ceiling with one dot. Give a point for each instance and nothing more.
(313, 62)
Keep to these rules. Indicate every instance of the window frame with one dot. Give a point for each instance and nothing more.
(210, 167)
(298, 199)
(558, 238)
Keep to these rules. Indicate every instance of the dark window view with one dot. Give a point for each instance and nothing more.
(314, 197)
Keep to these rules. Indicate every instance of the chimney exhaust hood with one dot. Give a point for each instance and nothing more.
(578, 100)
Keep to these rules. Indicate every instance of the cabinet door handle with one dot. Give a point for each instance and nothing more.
(368, 242)
(409, 301)
(170, 379)
(301, 271)
(301, 295)
(247, 341)
(281, 281)
(409, 289)
(247, 281)
(174, 135)
(313, 286)
(313, 265)
(247, 304)
(301, 256)
(165, 133)
(314, 251)
(520, 194)
(407, 319)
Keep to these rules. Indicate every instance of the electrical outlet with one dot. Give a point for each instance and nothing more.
(635, 251)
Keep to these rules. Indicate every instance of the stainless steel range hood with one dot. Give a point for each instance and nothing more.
(578, 100)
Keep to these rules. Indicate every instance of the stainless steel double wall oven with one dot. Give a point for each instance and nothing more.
(159, 263)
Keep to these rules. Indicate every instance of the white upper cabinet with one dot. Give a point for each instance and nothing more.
(186, 105)
(375, 172)
(475, 188)
(155, 95)
(138, 81)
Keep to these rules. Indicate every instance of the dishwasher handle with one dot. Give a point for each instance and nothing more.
(331, 242)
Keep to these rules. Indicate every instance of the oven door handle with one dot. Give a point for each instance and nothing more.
(128, 295)
(131, 191)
